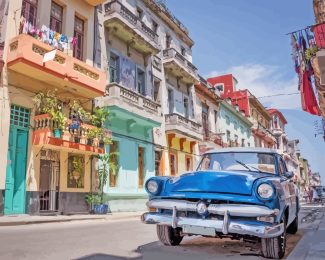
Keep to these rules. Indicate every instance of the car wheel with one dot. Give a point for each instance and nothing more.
(293, 227)
(169, 236)
(275, 247)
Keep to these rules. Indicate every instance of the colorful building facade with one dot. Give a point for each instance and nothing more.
(234, 127)
(250, 106)
(208, 104)
(37, 170)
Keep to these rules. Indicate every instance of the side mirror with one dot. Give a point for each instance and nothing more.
(289, 175)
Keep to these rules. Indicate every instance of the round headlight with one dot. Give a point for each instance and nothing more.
(152, 186)
(202, 208)
(265, 191)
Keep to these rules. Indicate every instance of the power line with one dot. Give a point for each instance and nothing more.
(282, 94)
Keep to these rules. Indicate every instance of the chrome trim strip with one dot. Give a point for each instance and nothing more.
(234, 226)
(181, 205)
(236, 210)
(240, 210)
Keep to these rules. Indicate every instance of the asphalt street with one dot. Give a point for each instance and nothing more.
(124, 239)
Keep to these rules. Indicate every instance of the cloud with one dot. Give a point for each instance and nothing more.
(265, 80)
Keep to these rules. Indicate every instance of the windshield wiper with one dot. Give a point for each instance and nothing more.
(248, 167)
(244, 165)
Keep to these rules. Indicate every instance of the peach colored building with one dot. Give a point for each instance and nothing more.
(37, 171)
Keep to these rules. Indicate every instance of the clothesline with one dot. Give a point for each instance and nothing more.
(48, 36)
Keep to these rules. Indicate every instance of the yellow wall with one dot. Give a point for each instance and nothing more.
(181, 163)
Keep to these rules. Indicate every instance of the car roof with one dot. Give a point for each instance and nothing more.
(243, 149)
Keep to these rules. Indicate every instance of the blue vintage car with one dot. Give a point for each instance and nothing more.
(234, 192)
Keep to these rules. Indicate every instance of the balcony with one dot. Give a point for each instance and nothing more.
(72, 140)
(178, 65)
(66, 73)
(125, 25)
(95, 2)
(128, 100)
(277, 131)
(184, 126)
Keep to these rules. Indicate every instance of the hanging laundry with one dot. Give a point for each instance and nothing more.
(74, 41)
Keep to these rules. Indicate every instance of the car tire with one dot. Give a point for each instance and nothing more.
(293, 227)
(169, 236)
(275, 247)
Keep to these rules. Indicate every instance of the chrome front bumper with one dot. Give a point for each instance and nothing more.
(225, 226)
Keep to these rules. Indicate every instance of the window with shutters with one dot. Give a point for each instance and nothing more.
(141, 88)
(29, 11)
(56, 17)
(113, 68)
(79, 25)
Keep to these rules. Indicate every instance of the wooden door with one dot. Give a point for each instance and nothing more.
(141, 166)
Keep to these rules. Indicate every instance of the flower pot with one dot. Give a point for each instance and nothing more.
(90, 141)
(57, 133)
(101, 209)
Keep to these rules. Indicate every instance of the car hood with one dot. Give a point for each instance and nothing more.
(214, 182)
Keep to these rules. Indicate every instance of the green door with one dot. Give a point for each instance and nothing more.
(17, 160)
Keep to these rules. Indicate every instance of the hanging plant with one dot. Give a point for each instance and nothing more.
(311, 52)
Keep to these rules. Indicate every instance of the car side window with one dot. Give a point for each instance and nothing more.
(281, 166)
(284, 165)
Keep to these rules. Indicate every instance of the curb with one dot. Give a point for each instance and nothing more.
(108, 217)
(28, 222)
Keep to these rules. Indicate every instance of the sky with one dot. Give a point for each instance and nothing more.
(248, 39)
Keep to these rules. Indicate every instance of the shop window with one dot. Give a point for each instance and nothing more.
(29, 11)
(113, 148)
(173, 164)
(113, 68)
(56, 17)
(76, 171)
(79, 30)
(189, 163)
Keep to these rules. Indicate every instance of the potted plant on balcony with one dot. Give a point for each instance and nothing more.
(59, 121)
(92, 136)
(99, 116)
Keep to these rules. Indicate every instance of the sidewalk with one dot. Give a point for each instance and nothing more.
(16, 220)
(312, 244)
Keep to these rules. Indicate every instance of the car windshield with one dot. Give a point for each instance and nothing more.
(238, 161)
